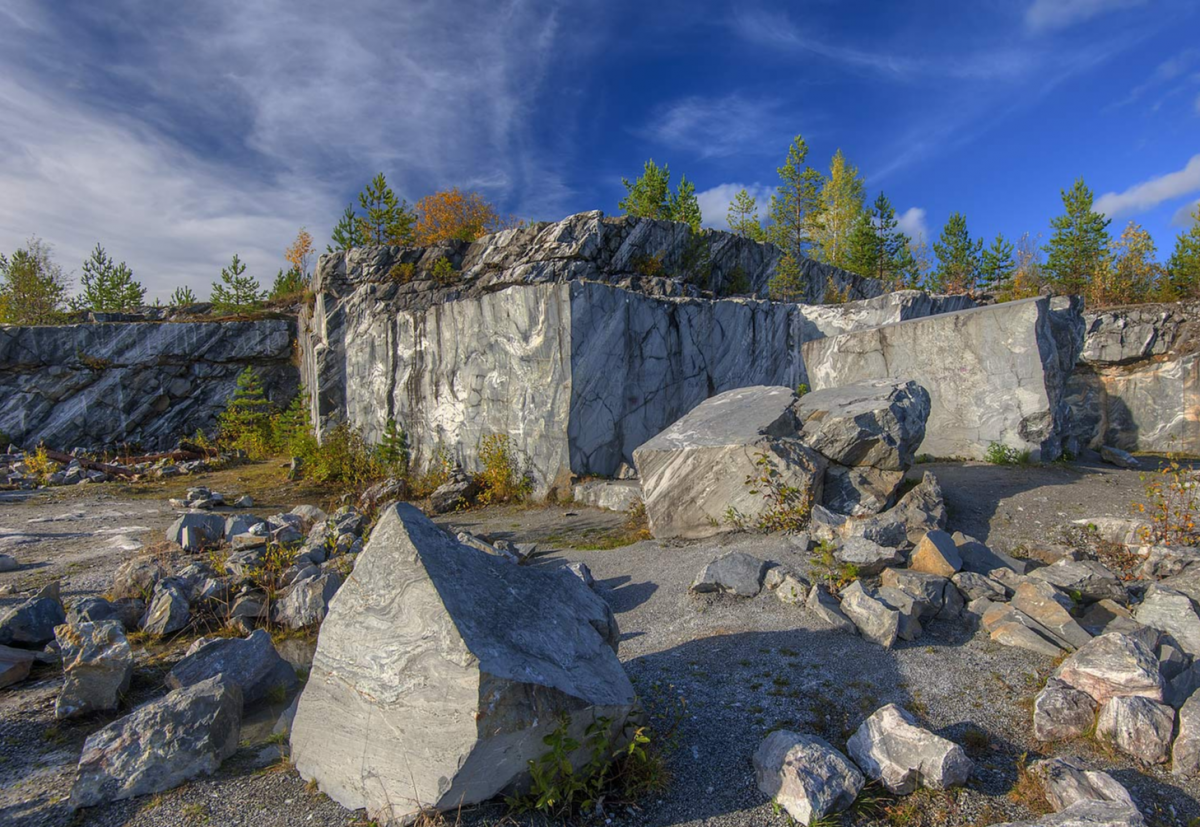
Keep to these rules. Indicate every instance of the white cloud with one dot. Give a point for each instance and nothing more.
(1185, 216)
(222, 128)
(720, 127)
(1052, 15)
(714, 202)
(911, 222)
(1151, 193)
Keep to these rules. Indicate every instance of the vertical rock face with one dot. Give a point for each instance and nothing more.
(440, 669)
(994, 374)
(100, 385)
(821, 320)
(1137, 384)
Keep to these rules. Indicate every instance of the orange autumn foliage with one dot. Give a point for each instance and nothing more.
(452, 214)
(299, 254)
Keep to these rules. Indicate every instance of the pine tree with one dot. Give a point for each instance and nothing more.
(889, 258)
(650, 195)
(842, 196)
(742, 216)
(348, 233)
(920, 274)
(107, 286)
(182, 296)
(794, 211)
(288, 283)
(291, 430)
(996, 265)
(1078, 249)
(33, 290)
(385, 219)
(684, 205)
(958, 257)
(1183, 269)
(236, 292)
(864, 250)
(393, 450)
(246, 421)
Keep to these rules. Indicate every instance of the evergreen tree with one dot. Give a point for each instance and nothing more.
(292, 428)
(386, 219)
(1183, 269)
(878, 248)
(107, 286)
(920, 273)
(958, 257)
(684, 205)
(182, 296)
(842, 196)
(33, 290)
(288, 283)
(742, 216)
(246, 421)
(794, 211)
(1078, 249)
(650, 195)
(997, 265)
(236, 292)
(348, 233)
(393, 450)
(863, 256)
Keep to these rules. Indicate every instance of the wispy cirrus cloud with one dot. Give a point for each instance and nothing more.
(1053, 15)
(717, 127)
(1149, 194)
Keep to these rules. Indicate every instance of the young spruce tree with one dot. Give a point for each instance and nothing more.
(1183, 268)
(236, 292)
(106, 286)
(1078, 251)
(958, 257)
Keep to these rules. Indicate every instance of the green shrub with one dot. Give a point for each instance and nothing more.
(403, 273)
(393, 450)
(788, 508)
(443, 272)
(501, 478)
(245, 423)
(1000, 454)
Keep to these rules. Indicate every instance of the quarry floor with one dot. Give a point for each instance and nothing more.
(715, 674)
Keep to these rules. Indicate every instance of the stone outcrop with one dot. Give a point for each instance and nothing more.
(148, 384)
(440, 669)
(993, 374)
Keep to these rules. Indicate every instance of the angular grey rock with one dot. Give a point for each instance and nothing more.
(310, 514)
(581, 571)
(1121, 459)
(791, 589)
(307, 602)
(910, 609)
(1049, 607)
(1087, 814)
(893, 749)
(936, 554)
(1185, 752)
(15, 665)
(194, 532)
(876, 621)
(980, 559)
(1090, 578)
(1022, 636)
(239, 524)
(457, 492)
(479, 544)
(161, 744)
(1137, 726)
(31, 623)
(929, 590)
(1181, 687)
(1007, 385)
(1172, 612)
(8, 563)
(859, 491)
(919, 511)
(251, 662)
(877, 423)
(614, 495)
(975, 586)
(135, 578)
(825, 606)
(805, 776)
(1061, 712)
(693, 474)
(867, 557)
(1067, 781)
(1098, 617)
(97, 667)
(168, 611)
(472, 658)
(1001, 614)
(1113, 665)
(1159, 562)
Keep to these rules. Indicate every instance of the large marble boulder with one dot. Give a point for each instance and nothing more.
(161, 744)
(1113, 665)
(32, 622)
(892, 749)
(805, 776)
(993, 374)
(1067, 781)
(694, 474)
(440, 669)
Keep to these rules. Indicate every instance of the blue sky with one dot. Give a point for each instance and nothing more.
(178, 135)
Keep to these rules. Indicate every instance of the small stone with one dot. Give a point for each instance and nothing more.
(8, 563)
(31, 623)
(825, 606)
(251, 662)
(1113, 665)
(1061, 712)
(1138, 727)
(891, 748)
(1100, 614)
(867, 557)
(1049, 607)
(244, 501)
(909, 608)
(927, 589)
(1172, 612)
(581, 571)
(97, 667)
(936, 554)
(734, 573)
(805, 776)
(792, 589)
(168, 611)
(876, 621)
(975, 586)
(1090, 579)
(135, 578)
(15, 665)
(195, 532)
(1067, 781)
(307, 602)
(1122, 459)
(458, 492)
(1012, 633)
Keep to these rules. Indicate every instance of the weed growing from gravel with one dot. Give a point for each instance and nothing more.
(829, 570)
(1000, 454)
(1170, 505)
(1027, 790)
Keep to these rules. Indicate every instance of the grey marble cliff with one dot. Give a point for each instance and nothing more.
(145, 384)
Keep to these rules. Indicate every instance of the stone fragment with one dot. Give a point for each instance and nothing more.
(910, 610)
(859, 491)
(480, 544)
(1067, 781)
(693, 474)
(1122, 459)
(581, 571)
(473, 659)
(1159, 562)
(1172, 612)
(805, 776)
(975, 586)
(1182, 686)
(457, 492)
(15, 665)
(168, 611)
(135, 578)
(1100, 614)
(613, 495)
(1185, 752)
(792, 589)
(1137, 726)
(867, 557)
(981, 559)
(1061, 712)
(927, 589)
(1021, 636)
(1048, 606)
(877, 423)
(161, 744)
(307, 602)
(893, 749)
(936, 554)
(8, 563)
(97, 667)
(1113, 665)
(1091, 579)
(825, 606)
(251, 662)
(876, 621)
(999, 615)
(31, 623)
(195, 532)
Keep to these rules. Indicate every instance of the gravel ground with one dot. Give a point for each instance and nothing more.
(718, 674)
